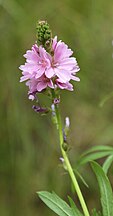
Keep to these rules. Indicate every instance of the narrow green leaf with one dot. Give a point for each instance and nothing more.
(98, 148)
(107, 163)
(105, 189)
(93, 156)
(81, 178)
(74, 207)
(56, 204)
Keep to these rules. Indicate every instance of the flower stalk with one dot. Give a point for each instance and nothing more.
(50, 66)
(68, 165)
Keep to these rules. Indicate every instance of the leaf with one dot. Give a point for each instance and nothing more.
(74, 208)
(98, 148)
(105, 189)
(93, 156)
(81, 178)
(107, 163)
(56, 204)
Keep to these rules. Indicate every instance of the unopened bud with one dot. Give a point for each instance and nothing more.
(61, 159)
(56, 100)
(54, 118)
(67, 122)
(44, 35)
(53, 109)
(67, 125)
(39, 109)
(65, 146)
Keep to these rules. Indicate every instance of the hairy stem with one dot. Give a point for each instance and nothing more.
(68, 165)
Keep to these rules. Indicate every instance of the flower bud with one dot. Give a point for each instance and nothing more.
(65, 146)
(44, 35)
(39, 109)
(67, 125)
(54, 118)
(67, 122)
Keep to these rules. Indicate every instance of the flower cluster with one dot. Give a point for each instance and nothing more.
(52, 69)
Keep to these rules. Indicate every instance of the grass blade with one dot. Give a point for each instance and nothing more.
(107, 163)
(105, 189)
(98, 148)
(74, 207)
(93, 156)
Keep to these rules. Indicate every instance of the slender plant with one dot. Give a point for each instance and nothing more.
(49, 68)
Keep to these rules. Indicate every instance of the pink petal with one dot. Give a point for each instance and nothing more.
(23, 78)
(29, 67)
(66, 85)
(54, 42)
(75, 78)
(41, 86)
(42, 52)
(50, 84)
(40, 72)
(49, 72)
(62, 51)
(63, 75)
(31, 56)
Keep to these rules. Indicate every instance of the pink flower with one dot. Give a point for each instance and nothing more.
(43, 69)
(36, 64)
(37, 85)
(65, 85)
(62, 65)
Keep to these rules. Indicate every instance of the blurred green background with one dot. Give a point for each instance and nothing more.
(29, 147)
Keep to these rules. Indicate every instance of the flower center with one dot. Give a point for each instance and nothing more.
(54, 64)
(43, 63)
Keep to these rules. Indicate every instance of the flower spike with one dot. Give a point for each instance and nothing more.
(44, 34)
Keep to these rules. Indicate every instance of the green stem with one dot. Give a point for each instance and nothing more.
(68, 165)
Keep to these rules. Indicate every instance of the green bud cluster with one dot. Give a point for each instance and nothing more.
(44, 35)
